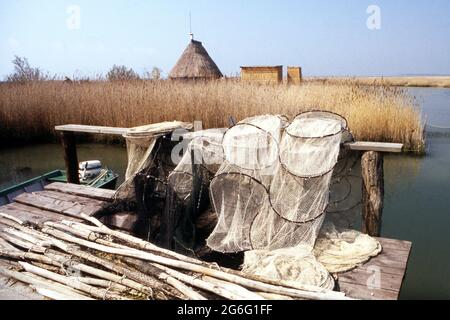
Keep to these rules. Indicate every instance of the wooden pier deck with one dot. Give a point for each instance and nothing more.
(379, 278)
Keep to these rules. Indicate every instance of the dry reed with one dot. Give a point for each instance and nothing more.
(375, 113)
(418, 81)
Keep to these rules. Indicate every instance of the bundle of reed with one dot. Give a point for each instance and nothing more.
(73, 260)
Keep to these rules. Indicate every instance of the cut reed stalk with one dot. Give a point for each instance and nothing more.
(240, 280)
(40, 282)
(97, 293)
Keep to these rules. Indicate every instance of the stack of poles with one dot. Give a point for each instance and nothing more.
(70, 260)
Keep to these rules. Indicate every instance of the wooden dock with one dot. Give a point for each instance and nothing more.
(379, 278)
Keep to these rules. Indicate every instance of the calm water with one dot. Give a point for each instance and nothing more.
(417, 206)
(417, 203)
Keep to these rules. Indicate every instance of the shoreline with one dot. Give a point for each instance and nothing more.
(399, 81)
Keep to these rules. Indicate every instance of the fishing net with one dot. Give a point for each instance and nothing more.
(271, 184)
(141, 142)
(272, 190)
(149, 150)
(188, 188)
(295, 265)
(204, 149)
(336, 250)
(341, 249)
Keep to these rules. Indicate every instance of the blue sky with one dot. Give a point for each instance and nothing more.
(324, 37)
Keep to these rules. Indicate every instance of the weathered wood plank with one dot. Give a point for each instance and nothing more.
(91, 129)
(399, 245)
(374, 146)
(373, 273)
(83, 191)
(31, 214)
(368, 267)
(58, 206)
(125, 220)
(358, 291)
(382, 276)
(392, 259)
(70, 197)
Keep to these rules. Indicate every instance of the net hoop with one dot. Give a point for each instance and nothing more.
(258, 128)
(335, 116)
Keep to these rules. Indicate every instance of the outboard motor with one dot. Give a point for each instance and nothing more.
(89, 169)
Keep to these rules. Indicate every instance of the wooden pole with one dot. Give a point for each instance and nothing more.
(70, 156)
(372, 192)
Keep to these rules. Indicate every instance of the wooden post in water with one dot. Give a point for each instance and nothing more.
(372, 192)
(70, 156)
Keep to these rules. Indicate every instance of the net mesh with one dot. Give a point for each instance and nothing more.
(340, 249)
(149, 164)
(272, 184)
(293, 265)
(272, 190)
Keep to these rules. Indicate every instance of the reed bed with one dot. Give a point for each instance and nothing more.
(418, 81)
(375, 113)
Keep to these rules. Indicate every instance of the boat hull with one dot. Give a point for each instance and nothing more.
(8, 195)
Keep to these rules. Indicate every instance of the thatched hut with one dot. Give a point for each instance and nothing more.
(195, 63)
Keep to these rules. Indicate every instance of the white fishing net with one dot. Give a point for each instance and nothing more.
(204, 148)
(295, 265)
(336, 250)
(140, 144)
(340, 249)
(271, 183)
(272, 190)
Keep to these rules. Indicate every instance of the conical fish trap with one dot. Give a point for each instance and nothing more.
(275, 194)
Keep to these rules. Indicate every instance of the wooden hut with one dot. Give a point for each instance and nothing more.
(195, 64)
(262, 74)
(294, 75)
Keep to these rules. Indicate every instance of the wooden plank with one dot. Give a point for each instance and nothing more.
(91, 129)
(58, 206)
(374, 146)
(71, 198)
(392, 259)
(80, 190)
(358, 291)
(382, 276)
(385, 269)
(31, 214)
(399, 245)
(361, 276)
(358, 145)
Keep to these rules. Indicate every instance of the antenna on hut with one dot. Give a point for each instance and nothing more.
(190, 26)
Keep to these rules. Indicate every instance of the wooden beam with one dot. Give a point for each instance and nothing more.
(358, 145)
(372, 192)
(70, 156)
(91, 129)
(374, 146)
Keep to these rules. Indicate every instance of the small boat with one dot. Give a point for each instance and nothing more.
(103, 178)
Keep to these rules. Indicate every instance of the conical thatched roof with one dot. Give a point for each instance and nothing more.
(195, 63)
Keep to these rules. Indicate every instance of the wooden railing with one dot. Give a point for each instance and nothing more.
(371, 167)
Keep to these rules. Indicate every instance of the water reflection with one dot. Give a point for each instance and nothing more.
(23, 163)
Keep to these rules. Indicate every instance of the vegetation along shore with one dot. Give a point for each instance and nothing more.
(405, 81)
(30, 110)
